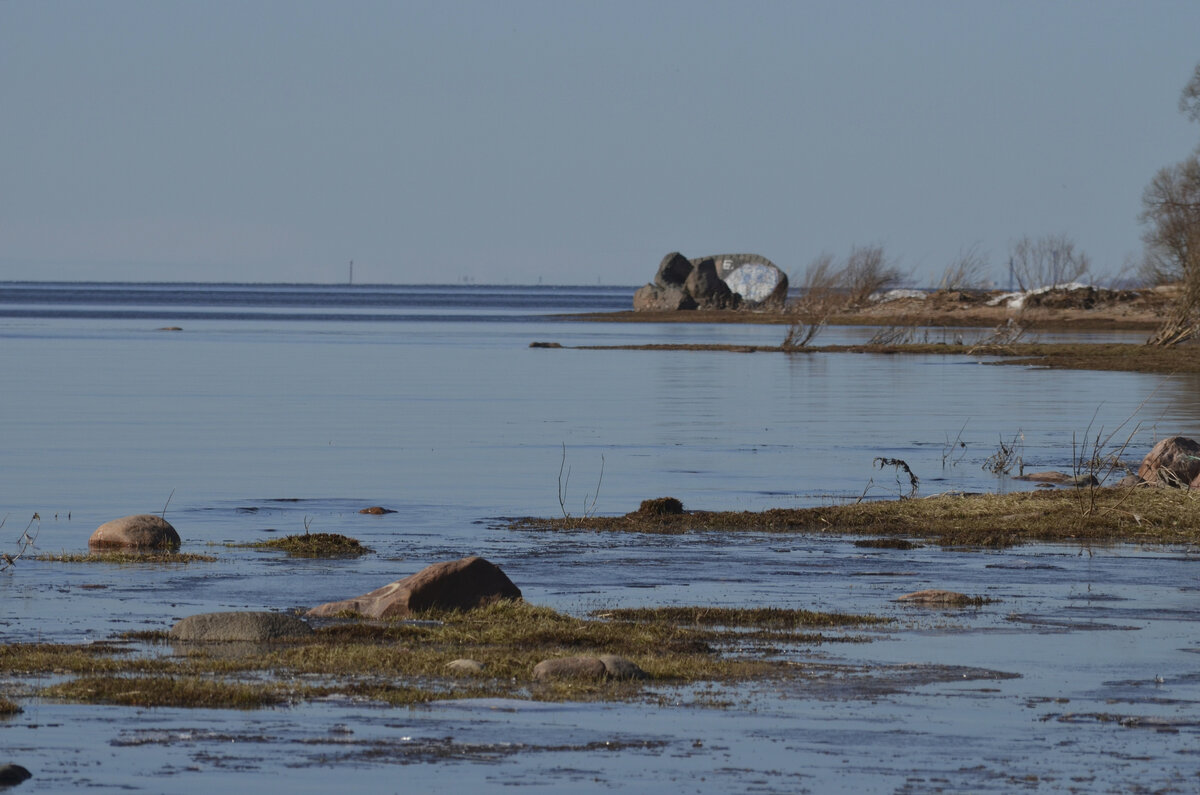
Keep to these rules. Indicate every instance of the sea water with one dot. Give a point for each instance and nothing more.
(277, 408)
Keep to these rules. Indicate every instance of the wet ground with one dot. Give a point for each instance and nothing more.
(1082, 676)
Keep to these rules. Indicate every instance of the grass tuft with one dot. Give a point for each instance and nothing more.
(314, 545)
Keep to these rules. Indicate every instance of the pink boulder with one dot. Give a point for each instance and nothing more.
(142, 531)
(1172, 462)
(453, 585)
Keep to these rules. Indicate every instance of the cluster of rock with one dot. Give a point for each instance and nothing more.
(726, 282)
(461, 584)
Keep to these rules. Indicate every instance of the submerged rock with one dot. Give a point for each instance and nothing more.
(1060, 478)
(255, 627)
(141, 531)
(456, 584)
(570, 668)
(937, 597)
(377, 510)
(606, 666)
(1174, 461)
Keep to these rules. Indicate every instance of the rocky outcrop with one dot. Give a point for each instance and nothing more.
(606, 666)
(254, 627)
(453, 585)
(141, 531)
(727, 281)
(1174, 461)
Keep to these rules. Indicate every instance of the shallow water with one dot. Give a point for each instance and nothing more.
(276, 409)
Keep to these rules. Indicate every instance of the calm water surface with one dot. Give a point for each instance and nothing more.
(277, 407)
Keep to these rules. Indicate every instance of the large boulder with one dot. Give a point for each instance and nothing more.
(453, 585)
(673, 270)
(758, 284)
(141, 531)
(652, 297)
(1174, 461)
(708, 289)
(255, 627)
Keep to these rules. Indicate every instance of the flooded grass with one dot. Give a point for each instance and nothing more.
(314, 545)
(1081, 516)
(8, 708)
(126, 556)
(406, 662)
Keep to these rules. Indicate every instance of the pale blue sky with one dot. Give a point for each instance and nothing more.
(573, 142)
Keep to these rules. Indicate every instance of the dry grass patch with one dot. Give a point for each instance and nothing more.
(314, 545)
(405, 662)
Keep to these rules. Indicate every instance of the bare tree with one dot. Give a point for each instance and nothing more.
(1047, 261)
(868, 271)
(1189, 99)
(1171, 217)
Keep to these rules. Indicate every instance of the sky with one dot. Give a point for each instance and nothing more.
(574, 142)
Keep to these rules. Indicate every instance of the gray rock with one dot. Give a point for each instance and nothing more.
(653, 298)
(254, 627)
(621, 668)
(141, 531)
(707, 288)
(11, 774)
(673, 270)
(570, 668)
(464, 665)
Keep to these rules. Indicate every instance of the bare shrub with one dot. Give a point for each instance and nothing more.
(1007, 456)
(820, 297)
(967, 271)
(868, 271)
(1046, 261)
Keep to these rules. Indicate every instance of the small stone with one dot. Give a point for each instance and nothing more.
(464, 665)
(255, 627)
(141, 531)
(570, 668)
